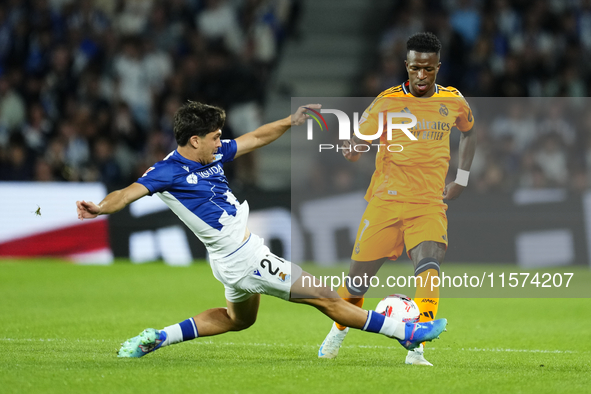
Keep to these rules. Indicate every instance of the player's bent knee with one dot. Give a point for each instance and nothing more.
(243, 324)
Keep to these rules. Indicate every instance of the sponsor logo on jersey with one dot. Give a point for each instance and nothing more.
(357, 248)
(148, 170)
(425, 124)
(211, 171)
(218, 156)
(256, 273)
(186, 168)
(444, 237)
(443, 110)
(192, 179)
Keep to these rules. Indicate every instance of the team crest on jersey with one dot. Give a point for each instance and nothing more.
(443, 110)
(148, 170)
(192, 179)
(218, 156)
(283, 277)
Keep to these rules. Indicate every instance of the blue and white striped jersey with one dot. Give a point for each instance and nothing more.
(201, 197)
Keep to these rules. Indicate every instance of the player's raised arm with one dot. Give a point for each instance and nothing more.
(115, 201)
(269, 132)
(466, 152)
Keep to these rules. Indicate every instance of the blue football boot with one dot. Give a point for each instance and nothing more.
(415, 333)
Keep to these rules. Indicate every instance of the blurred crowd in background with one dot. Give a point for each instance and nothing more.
(88, 89)
(530, 143)
(507, 48)
(500, 48)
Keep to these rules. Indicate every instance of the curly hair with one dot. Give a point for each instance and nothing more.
(426, 42)
(199, 119)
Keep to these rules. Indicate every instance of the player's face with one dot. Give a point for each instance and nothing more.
(422, 71)
(208, 146)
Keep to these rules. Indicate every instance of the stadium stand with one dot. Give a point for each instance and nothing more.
(88, 88)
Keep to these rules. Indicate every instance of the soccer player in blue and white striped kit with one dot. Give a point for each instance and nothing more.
(191, 181)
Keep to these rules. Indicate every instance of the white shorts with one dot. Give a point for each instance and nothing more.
(253, 269)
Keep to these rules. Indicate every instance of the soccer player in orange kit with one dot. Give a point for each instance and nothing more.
(407, 188)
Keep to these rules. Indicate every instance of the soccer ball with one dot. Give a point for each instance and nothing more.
(400, 307)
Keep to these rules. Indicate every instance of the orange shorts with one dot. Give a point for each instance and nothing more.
(387, 226)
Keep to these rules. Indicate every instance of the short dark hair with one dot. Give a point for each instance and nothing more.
(199, 119)
(426, 42)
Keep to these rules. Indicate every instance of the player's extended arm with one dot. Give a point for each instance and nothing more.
(115, 201)
(269, 132)
(466, 152)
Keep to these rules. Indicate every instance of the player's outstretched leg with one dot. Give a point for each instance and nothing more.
(415, 334)
(426, 258)
(410, 335)
(353, 295)
(236, 317)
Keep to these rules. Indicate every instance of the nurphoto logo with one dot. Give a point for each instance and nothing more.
(345, 128)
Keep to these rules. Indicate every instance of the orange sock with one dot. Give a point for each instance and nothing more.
(427, 299)
(345, 295)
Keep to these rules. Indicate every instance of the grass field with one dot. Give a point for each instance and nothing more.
(61, 325)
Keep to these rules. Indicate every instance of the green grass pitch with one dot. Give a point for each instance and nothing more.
(62, 324)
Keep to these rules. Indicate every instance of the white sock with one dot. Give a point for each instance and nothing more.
(183, 331)
(174, 334)
(393, 328)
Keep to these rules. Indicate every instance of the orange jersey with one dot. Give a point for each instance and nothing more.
(416, 173)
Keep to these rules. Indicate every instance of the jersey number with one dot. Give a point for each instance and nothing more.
(364, 227)
(270, 266)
